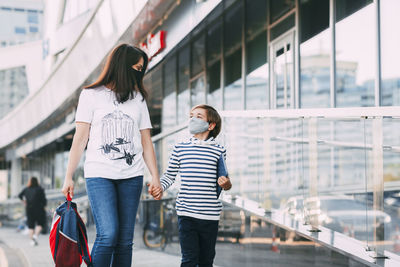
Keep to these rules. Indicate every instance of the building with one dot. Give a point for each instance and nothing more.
(22, 22)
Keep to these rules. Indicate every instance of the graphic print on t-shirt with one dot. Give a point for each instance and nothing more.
(117, 137)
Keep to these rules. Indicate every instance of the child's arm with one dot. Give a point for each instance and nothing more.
(170, 174)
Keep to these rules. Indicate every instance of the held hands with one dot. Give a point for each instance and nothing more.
(224, 182)
(155, 189)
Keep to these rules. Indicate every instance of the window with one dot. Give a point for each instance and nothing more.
(33, 18)
(198, 86)
(169, 98)
(233, 57)
(256, 55)
(315, 52)
(198, 52)
(74, 8)
(153, 85)
(20, 30)
(355, 43)
(33, 29)
(390, 53)
(183, 84)
(278, 8)
(345, 8)
(214, 92)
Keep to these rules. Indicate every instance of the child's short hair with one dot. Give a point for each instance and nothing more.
(212, 117)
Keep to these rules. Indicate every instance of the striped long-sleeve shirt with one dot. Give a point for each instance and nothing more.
(196, 162)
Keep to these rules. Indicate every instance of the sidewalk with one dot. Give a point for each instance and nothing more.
(15, 251)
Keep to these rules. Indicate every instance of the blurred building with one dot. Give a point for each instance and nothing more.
(288, 58)
(22, 22)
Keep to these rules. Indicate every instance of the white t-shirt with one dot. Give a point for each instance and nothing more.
(115, 148)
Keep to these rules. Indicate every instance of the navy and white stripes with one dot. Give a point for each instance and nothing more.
(196, 162)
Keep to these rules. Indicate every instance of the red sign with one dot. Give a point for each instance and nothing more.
(155, 44)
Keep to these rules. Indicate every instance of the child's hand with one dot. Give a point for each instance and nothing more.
(155, 190)
(157, 193)
(224, 182)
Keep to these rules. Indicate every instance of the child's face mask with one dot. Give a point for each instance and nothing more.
(197, 125)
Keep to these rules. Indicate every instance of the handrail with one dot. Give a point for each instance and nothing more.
(338, 113)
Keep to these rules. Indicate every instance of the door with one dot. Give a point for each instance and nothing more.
(282, 76)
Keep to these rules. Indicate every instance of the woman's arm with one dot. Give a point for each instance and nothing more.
(79, 142)
(149, 157)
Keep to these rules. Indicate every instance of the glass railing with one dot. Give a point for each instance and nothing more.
(322, 172)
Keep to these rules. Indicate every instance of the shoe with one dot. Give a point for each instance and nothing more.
(33, 242)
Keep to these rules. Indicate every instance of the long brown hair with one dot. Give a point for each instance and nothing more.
(212, 117)
(33, 182)
(119, 75)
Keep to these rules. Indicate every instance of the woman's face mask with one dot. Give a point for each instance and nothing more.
(137, 74)
(197, 125)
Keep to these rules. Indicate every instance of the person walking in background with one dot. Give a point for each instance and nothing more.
(197, 204)
(35, 200)
(112, 115)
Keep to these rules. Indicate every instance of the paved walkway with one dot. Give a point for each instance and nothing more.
(16, 251)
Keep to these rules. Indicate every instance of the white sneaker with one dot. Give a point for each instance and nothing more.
(34, 242)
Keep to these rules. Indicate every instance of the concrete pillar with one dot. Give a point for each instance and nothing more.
(16, 177)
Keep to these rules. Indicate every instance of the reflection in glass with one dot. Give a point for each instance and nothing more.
(315, 52)
(198, 52)
(280, 8)
(390, 53)
(256, 17)
(355, 47)
(257, 75)
(256, 53)
(233, 58)
(233, 87)
(391, 179)
(183, 84)
(15, 80)
(214, 85)
(198, 91)
(169, 99)
(214, 92)
(152, 83)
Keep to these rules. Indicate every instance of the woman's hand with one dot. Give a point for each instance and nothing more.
(68, 187)
(224, 182)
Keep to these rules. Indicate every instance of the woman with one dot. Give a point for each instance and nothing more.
(35, 201)
(112, 114)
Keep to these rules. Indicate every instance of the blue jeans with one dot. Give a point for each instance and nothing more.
(114, 205)
(197, 238)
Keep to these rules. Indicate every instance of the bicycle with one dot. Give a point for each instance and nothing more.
(160, 226)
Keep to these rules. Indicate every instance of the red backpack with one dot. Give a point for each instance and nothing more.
(68, 238)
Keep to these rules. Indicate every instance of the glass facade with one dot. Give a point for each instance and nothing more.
(169, 97)
(13, 88)
(390, 54)
(316, 53)
(339, 174)
(355, 50)
(256, 50)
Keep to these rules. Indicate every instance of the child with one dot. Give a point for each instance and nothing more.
(197, 204)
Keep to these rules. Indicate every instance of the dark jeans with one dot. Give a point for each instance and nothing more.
(114, 205)
(197, 238)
